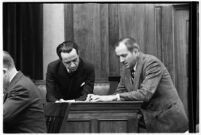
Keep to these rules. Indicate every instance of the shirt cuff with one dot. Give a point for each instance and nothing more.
(118, 97)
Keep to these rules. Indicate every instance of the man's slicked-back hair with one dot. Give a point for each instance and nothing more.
(130, 43)
(66, 47)
(8, 61)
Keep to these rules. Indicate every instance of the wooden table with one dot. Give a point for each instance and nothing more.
(89, 117)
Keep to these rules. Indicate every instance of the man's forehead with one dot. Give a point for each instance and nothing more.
(71, 55)
(121, 48)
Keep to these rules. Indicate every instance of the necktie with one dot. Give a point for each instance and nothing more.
(132, 75)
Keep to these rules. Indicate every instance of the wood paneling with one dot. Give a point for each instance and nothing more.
(91, 34)
(68, 25)
(181, 23)
(106, 126)
(167, 40)
(149, 30)
(114, 65)
(88, 117)
(104, 33)
(157, 28)
(131, 22)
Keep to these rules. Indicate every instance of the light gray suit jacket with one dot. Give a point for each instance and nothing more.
(162, 109)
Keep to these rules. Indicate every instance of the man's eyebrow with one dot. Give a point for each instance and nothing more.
(70, 60)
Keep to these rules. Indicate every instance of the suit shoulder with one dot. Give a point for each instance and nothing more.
(150, 58)
(88, 66)
(54, 64)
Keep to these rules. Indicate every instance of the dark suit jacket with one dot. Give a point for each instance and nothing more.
(23, 107)
(61, 84)
(163, 110)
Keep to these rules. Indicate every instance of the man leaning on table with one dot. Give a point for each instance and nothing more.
(69, 78)
(145, 78)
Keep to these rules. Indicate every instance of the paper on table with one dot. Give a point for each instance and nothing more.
(64, 101)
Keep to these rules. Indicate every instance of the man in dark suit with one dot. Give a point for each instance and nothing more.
(22, 106)
(145, 78)
(69, 78)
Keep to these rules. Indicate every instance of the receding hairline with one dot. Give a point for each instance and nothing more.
(129, 46)
(8, 61)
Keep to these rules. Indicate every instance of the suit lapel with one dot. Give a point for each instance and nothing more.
(138, 71)
(129, 83)
(5, 95)
(12, 83)
(14, 80)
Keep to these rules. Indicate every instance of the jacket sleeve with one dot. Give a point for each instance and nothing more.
(89, 84)
(121, 86)
(152, 76)
(50, 85)
(15, 103)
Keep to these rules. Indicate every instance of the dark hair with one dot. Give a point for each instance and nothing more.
(66, 47)
(8, 61)
(129, 42)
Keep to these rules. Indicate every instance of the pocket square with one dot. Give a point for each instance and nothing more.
(82, 84)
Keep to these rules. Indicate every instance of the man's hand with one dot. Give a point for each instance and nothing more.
(100, 98)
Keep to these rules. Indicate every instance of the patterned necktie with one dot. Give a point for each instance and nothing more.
(132, 75)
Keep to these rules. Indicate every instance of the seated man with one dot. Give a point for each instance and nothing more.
(145, 78)
(69, 77)
(22, 106)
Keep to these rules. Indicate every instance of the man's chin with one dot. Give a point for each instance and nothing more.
(73, 70)
(127, 66)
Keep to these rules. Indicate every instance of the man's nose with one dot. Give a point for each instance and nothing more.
(72, 64)
(122, 59)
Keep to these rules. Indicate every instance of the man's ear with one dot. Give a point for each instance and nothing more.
(135, 51)
(78, 52)
(5, 70)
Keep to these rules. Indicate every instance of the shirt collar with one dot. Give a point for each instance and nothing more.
(134, 68)
(13, 75)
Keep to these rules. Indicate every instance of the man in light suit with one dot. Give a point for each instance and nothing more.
(22, 106)
(145, 78)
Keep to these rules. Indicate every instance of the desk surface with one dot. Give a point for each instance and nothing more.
(113, 105)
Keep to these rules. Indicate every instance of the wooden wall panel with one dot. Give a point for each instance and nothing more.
(158, 30)
(107, 126)
(149, 30)
(68, 25)
(104, 42)
(131, 22)
(167, 40)
(181, 23)
(97, 27)
(91, 33)
(114, 65)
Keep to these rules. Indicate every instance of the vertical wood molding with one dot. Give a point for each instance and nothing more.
(91, 34)
(114, 65)
(181, 34)
(104, 41)
(168, 40)
(94, 126)
(150, 45)
(68, 22)
(158, 31)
